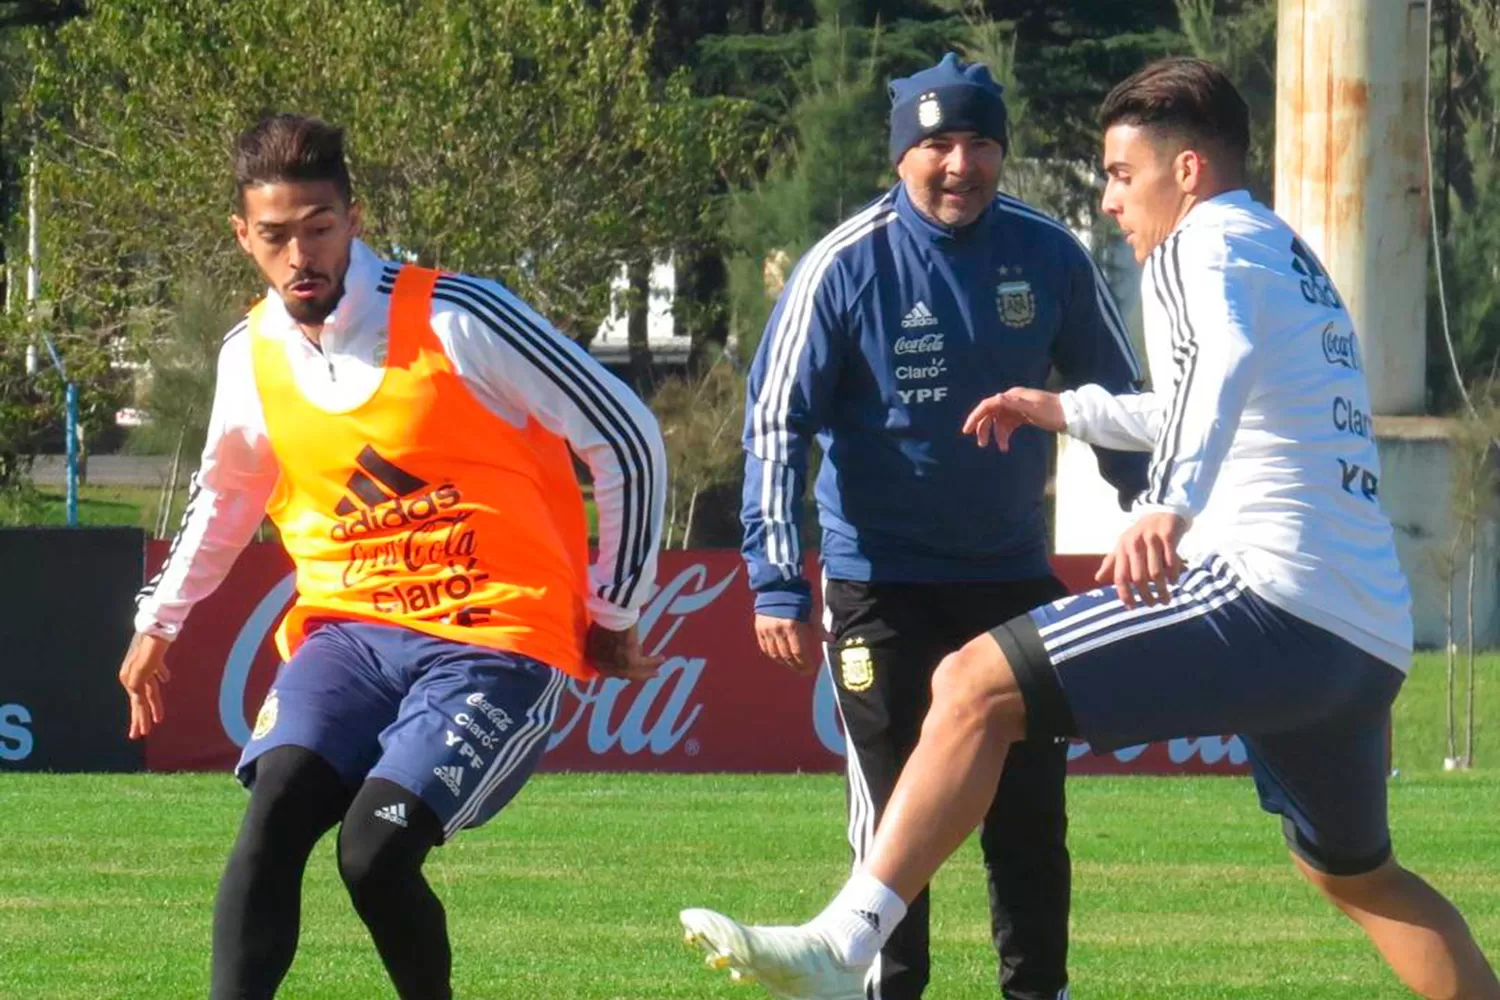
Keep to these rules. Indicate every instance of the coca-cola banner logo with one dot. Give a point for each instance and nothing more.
(717, 704)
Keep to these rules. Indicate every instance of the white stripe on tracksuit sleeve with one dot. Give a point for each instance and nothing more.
(517, 364)
(793, 376)
(1213, 366)
(226, 501)
(790, 379)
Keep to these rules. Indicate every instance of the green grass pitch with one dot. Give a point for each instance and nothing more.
(1182, 889)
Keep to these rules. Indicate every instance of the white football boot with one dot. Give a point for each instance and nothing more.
(792, 963)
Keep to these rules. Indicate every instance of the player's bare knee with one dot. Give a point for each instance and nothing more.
(975, 684)
(1358, 891)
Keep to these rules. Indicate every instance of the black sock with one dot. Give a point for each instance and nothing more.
(297, 797)
(383, 842)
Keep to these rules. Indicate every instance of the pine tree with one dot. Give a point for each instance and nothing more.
(835, 162)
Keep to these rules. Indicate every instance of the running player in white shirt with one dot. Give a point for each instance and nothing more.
(1257, 593)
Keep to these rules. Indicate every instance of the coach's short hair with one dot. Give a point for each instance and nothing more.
(1190, 98)
(289, 147)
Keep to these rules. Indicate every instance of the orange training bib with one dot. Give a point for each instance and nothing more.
(420, 507)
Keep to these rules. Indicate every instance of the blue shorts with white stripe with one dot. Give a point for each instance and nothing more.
(461, 726)
(1312, 708)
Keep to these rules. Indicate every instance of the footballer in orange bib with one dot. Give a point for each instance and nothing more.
(412, 436)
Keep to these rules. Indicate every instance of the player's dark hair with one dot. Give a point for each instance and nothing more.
(1190, 99)
(289, 147)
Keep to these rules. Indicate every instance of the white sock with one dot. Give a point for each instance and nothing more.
(860, 919)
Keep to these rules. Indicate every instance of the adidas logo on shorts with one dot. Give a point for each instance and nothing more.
(451, 776)
(393, 813)
(920, 315)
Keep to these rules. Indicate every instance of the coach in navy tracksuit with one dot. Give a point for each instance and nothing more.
(891, 329)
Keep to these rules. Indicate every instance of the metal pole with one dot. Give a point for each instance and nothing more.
(72, 445)
(33, 278)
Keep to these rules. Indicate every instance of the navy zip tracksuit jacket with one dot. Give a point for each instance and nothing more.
(892, 328)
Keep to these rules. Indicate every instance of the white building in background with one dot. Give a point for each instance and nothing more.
(611, 343)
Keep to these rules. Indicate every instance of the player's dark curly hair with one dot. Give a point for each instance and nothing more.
(288, 147)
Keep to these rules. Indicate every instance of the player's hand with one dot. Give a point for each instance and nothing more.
(142, 675)
(619, 654)
(791, 643)
(1145, 562)
(997, 417)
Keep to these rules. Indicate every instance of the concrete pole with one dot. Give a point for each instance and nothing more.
(1351, 172)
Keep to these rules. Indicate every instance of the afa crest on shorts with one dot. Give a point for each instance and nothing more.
(265, 719)
(856, 667)
(1016, 304)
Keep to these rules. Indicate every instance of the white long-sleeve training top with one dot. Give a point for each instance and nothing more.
(511, 359)
(1260, 425)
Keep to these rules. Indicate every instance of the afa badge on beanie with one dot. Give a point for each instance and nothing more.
(952, 96)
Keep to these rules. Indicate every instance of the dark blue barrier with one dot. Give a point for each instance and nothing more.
(65, 610)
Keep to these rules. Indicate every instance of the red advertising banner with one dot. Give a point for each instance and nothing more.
(717, 705)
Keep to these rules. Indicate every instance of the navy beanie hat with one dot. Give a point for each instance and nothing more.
(949, 97)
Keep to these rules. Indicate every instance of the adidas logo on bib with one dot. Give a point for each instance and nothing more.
(919, 316)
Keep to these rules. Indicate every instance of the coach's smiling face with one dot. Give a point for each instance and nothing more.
(1152, 180)
(952, 177)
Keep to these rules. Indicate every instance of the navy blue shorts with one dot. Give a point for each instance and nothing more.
(461, 726)
(1312, 708)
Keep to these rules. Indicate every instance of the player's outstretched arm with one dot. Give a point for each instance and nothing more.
(792, 380)
(142, 674)
(521, 367)
(226, 504)
(1129, 421)
(996, 418)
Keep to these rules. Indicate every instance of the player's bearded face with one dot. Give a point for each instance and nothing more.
(299, 233)
(952, 176)
(1147, 189)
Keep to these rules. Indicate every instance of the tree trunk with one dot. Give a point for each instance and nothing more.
(637, 324)
(701, 306)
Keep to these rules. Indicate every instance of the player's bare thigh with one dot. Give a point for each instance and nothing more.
(975, 686)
